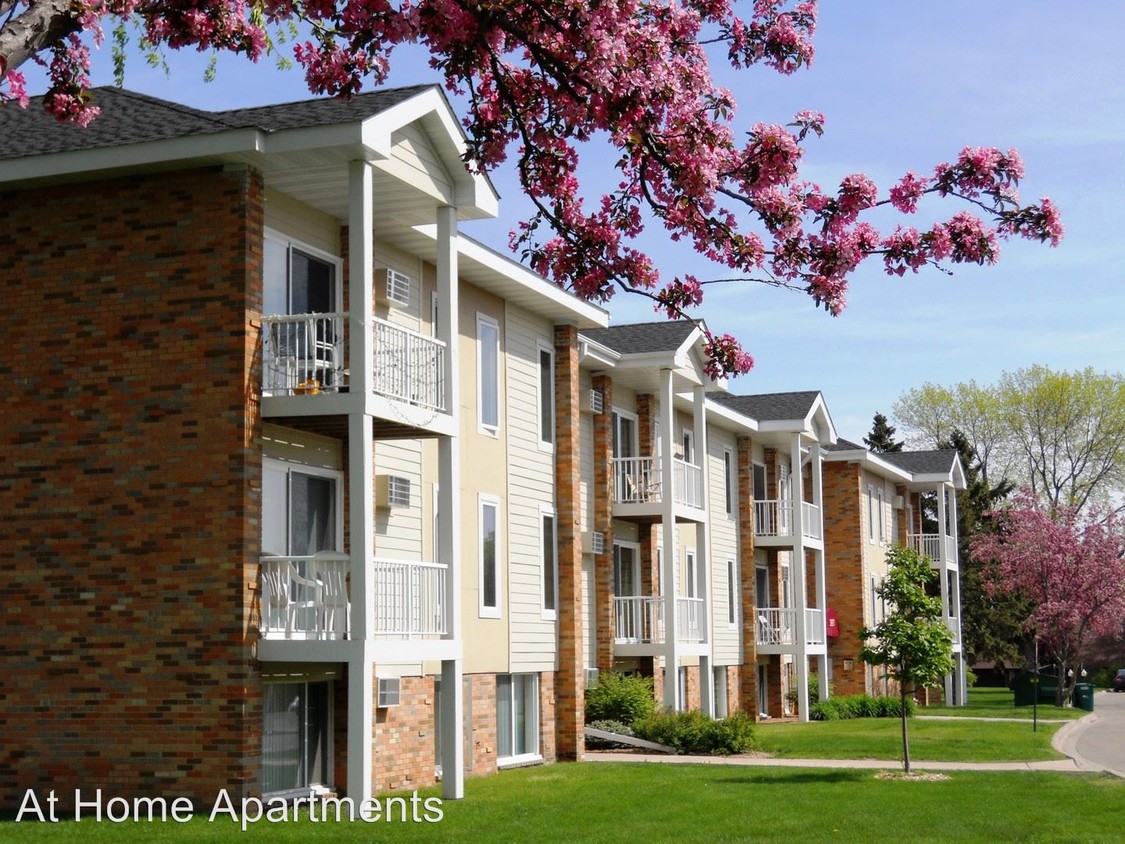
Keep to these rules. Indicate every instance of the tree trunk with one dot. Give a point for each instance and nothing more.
(905, 738)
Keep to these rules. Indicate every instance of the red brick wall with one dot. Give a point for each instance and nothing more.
(846, 585)
(570, 687)
(130, 485)
(402, 753)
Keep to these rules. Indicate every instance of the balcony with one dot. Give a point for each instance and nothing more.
(303, 354)
(931, 544)
(306, 355)
(776, 629)
(773, 521)
(638, 488)
(639, 620)
(410, 599)
(307, 598)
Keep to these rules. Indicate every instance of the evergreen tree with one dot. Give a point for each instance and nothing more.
(882, 436)
(991, 621)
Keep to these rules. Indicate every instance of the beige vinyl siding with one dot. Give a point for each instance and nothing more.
(301, 222)
(414, 316)
(399, 530)
(411, 148)
(531, 486)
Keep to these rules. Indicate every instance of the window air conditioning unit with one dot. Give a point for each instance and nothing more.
(593, 542)
(592, 401)
(392, 491)
(591, 677)
(390, 689)
(392, 287)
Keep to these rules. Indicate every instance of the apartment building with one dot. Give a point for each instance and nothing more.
(873, 501)
(280, 442)
(305, 489)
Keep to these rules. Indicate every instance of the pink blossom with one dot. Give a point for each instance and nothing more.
(905, 195)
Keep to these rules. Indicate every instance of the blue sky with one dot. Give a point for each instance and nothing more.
(904, 86)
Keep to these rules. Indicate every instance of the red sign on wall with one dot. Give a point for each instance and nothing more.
(833, 624)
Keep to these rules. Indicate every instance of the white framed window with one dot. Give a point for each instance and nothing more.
(489, 538)
(871, 512)
(728, 481)
(546, 397)
(517, 718)
(690, 573)
(689, 445)
(300, 509)
(880, 531)
(488, 375)
(625, 441)
(550, 556)
(732, 593)
(298, 278)
(626, 569)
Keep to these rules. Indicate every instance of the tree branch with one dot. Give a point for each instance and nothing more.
(40, 26)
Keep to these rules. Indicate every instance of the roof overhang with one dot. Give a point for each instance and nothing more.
(869, 461)
(815, 425)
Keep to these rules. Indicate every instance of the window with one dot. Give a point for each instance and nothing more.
(760, 491)
(732, 593)
(546, 396)
(690, 573)
(689, 446)
(721, 691)
(624, 434)
(488, 374)
(295, 736)
(299, 512)
(550, 563)
(626, 569)
(871, 512)
(728, 481)
(879, 515)
(762, 586)
(489, 557)
(517, 717)
(297, 280)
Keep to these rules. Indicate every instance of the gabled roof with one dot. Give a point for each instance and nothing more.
(942, 461)
(644, 337)
(130, 118)
(845, 445)
(917, 467)
(771, 407)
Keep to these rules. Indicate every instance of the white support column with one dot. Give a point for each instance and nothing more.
(798, 577)
(361, 512)
(669, 557)
(449, 510)
(943, 571)
(361, 481)
(703, 552)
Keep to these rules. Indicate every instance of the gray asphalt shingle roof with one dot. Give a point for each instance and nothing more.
(845, 445)
(939, 461)
(129, 118)
(643, 337)
(770, 406)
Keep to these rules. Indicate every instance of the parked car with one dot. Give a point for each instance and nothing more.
(1119, 680)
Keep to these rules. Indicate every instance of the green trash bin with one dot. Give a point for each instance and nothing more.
(1084, 696)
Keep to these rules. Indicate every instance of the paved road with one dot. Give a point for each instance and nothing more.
(1098, 740)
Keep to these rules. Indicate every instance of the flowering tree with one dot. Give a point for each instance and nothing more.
(545, 77)
(1070, 565)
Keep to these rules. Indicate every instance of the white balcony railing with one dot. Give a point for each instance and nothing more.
(778, 626)
(814, 627)
(810, 521)
(689, 619)
(408, 366)
(638, 620)
(931, 544)
(303, 354)
(305, 597)
(773, 517)
(637, 480)
(410, 598)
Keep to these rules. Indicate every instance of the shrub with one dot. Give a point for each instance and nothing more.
(625, 698)
(859, 706)
(609, 727)
(814, 689)
(695, 733)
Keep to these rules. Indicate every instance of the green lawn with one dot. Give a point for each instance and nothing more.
(688, 803)
(999, 703)
(881, 738)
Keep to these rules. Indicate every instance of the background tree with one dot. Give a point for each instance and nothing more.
(912, 642)
(544, 78)
(1071, 565)
(992, 621)
(882, 436)
(1061, 433)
